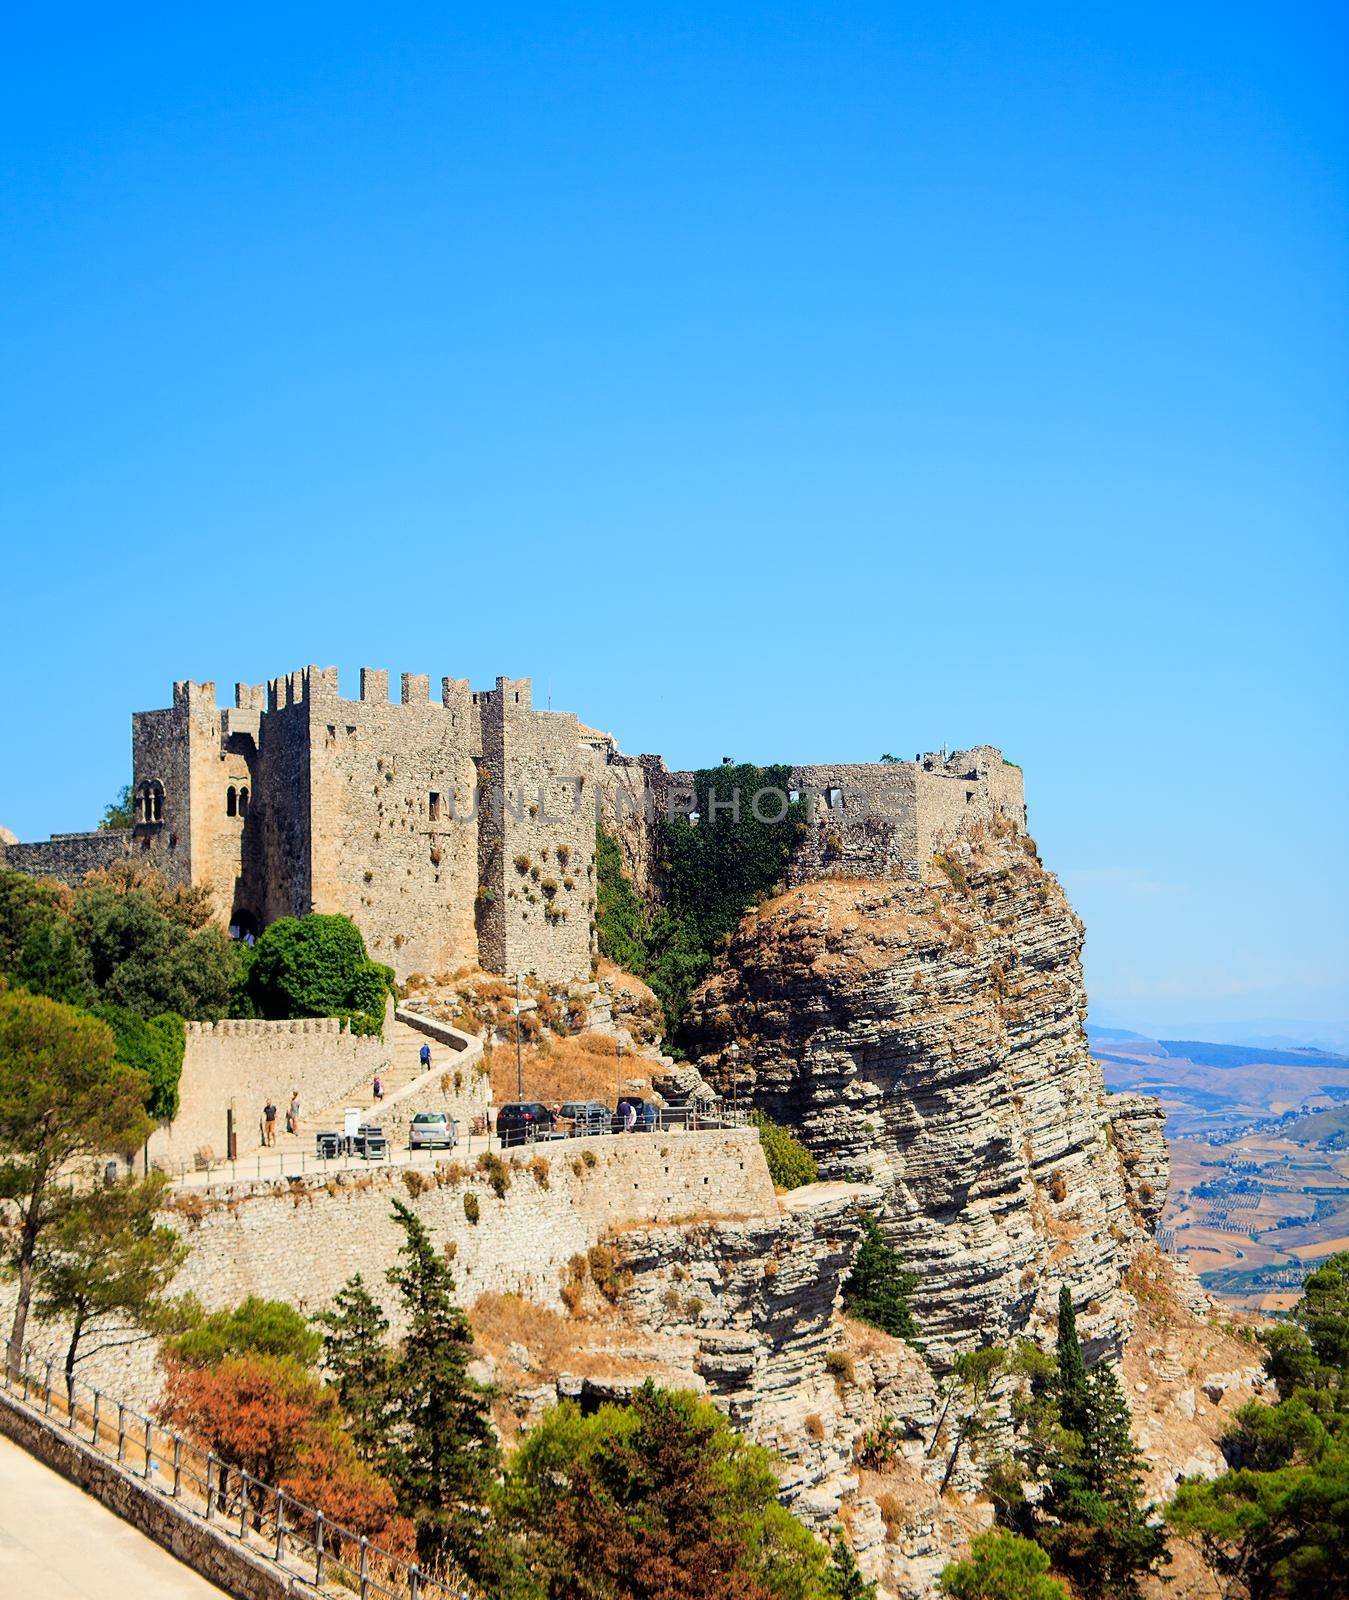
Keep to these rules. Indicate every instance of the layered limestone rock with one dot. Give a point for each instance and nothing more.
(927, 1037)
(1138, 1128)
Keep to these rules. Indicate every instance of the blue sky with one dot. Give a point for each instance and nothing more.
(792, 382)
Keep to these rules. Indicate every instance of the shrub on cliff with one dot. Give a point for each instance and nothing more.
(255, 1327)
(790, 1164)
(878, 1287)
(1002, 1566)
(317, 966)
(620, 918)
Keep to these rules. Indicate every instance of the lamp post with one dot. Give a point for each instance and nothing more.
(618, 1087)
(519, 1070)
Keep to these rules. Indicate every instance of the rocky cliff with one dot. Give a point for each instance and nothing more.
(926, 1037)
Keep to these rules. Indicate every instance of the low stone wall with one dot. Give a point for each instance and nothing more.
(213, 1554)
(300, 1240)
(68, 856)
(250, 1062)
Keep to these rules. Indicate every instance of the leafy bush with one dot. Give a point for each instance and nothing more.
(317, 966)
(620, 920)
(255, 1327)
(790, 1164)
(878, 1287)
(155, 1049)
(1002, 1566)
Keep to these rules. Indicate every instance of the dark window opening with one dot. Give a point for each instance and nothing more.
(243, 802)
(434, 807)
(231, 802)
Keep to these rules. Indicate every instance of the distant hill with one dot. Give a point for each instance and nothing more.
(1204, 1054)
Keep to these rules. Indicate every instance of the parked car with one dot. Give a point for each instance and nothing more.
(585, 1116)
(433, 1130)
(644, 1115)
(524, 1121)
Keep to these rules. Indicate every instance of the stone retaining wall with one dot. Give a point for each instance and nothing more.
(250, 1062)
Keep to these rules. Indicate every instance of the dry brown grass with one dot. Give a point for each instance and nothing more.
(580, 1067)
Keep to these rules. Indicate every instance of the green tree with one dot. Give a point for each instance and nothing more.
(970, 1388)
(1276, 1527)
(64, 1098)
(317, 966)
(147, 961)
(117, 815)
(655, 1499)
(442, 1457)
(38, 948)
(843, 1581)
(790, 1164)
(877, 1288)
(154, 1048)
(357, 1359)
(254, 1327)
(104, 1267)
(1002, 1566)
(1071, 1385)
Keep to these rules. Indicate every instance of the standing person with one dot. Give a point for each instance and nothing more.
(629, 1116)
(377, 1087)
(426, 1057)
(293, 1115)
(269, 1122)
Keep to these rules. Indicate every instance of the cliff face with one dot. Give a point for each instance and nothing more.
(927, 1037)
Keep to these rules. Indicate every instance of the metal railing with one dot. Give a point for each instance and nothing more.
(301, 1163)
(295, 1537)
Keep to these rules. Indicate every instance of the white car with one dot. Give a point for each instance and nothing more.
(433, 1130)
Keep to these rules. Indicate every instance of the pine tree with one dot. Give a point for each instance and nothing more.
(444, 1453)
(1112, 1461)
(843, 1581)
(1071, 1381)
(357, 1359)
(877, 1288)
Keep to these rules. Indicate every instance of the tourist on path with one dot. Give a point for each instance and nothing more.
(269, 1123)
(293, 1115)
(426, 1057)
(377, 1088)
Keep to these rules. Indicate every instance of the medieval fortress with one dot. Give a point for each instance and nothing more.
(460, 832)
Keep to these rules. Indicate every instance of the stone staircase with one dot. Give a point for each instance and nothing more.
(403, 1076)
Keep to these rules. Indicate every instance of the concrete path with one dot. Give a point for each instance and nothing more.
(58, 1543)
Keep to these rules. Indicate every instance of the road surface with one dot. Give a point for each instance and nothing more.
(58, 1543)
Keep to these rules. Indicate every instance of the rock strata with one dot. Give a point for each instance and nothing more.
(926, 1037)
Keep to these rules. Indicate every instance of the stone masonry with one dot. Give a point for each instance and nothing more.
(460, 831)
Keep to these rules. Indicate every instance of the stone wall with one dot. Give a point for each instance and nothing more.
(68, 856)
(302, 1239)
(249, 1062)
(536, 851)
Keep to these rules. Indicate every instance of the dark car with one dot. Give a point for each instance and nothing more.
(523, 1121)
(585, 1116)
(644, 1115)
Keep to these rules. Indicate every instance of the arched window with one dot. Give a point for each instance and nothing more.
(155, 801)
(243, 802)
(231, 802)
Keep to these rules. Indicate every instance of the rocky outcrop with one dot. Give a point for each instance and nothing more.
(927, 1037)
(1138, 1129)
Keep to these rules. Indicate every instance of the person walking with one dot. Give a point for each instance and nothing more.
(629, 1116)
(293, 1114)
(269, 1123)
(377, 1087)
(426, 1057)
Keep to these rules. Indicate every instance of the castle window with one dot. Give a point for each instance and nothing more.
(231, 802)
(243, 802)
(834, 798)
(433, 808)
(150, 801)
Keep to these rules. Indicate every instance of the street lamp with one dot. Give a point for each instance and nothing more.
(519, 1070)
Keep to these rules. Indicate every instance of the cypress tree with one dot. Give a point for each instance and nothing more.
(878, 1287)
(444, 1455)
(1113, 1464)
(1071, 1379)
(357, 1359)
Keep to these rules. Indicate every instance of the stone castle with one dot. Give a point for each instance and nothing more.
(460, 832)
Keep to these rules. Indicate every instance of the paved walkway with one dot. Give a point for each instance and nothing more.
(58, 1543)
